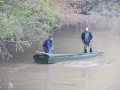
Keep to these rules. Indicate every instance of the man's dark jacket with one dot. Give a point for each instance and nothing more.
(47, 45)
(89, 37)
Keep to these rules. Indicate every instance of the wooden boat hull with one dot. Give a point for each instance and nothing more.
(43, 58)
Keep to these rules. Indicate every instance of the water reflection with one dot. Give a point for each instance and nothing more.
(87, 73)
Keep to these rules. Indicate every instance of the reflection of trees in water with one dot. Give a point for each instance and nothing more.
(4, 84)
(10, 86)
(49, 77)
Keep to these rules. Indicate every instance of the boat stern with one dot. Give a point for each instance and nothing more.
(41, 58)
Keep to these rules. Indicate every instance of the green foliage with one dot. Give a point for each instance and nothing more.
(81, 2)
(111, 6)
(21, 16)
(26, 20)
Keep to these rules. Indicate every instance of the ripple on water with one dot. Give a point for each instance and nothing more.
(86, 64)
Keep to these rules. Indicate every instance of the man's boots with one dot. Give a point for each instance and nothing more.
(85, 50)
(91, 50)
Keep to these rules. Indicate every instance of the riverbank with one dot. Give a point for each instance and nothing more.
(79, 18)
(89, 12)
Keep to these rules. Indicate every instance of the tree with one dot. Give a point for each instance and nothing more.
(25, 21)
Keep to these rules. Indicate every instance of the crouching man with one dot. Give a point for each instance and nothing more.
(47, 45)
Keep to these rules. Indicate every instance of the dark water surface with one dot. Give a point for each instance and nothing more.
(99, 73)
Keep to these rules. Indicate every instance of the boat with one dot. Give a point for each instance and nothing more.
(44, 58)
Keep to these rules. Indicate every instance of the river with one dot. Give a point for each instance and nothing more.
(99, 73)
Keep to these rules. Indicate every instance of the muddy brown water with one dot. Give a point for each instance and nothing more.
(99, 73)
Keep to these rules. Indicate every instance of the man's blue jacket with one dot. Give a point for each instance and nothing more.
(47, 46)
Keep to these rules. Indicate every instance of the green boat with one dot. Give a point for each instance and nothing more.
(43, 58)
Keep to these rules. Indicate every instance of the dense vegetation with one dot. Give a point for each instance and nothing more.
(109, 8)
(23, 22)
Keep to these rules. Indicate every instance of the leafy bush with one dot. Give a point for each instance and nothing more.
(25, 21)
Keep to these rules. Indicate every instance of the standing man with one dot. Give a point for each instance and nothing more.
(86, 39)
(47, 45)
